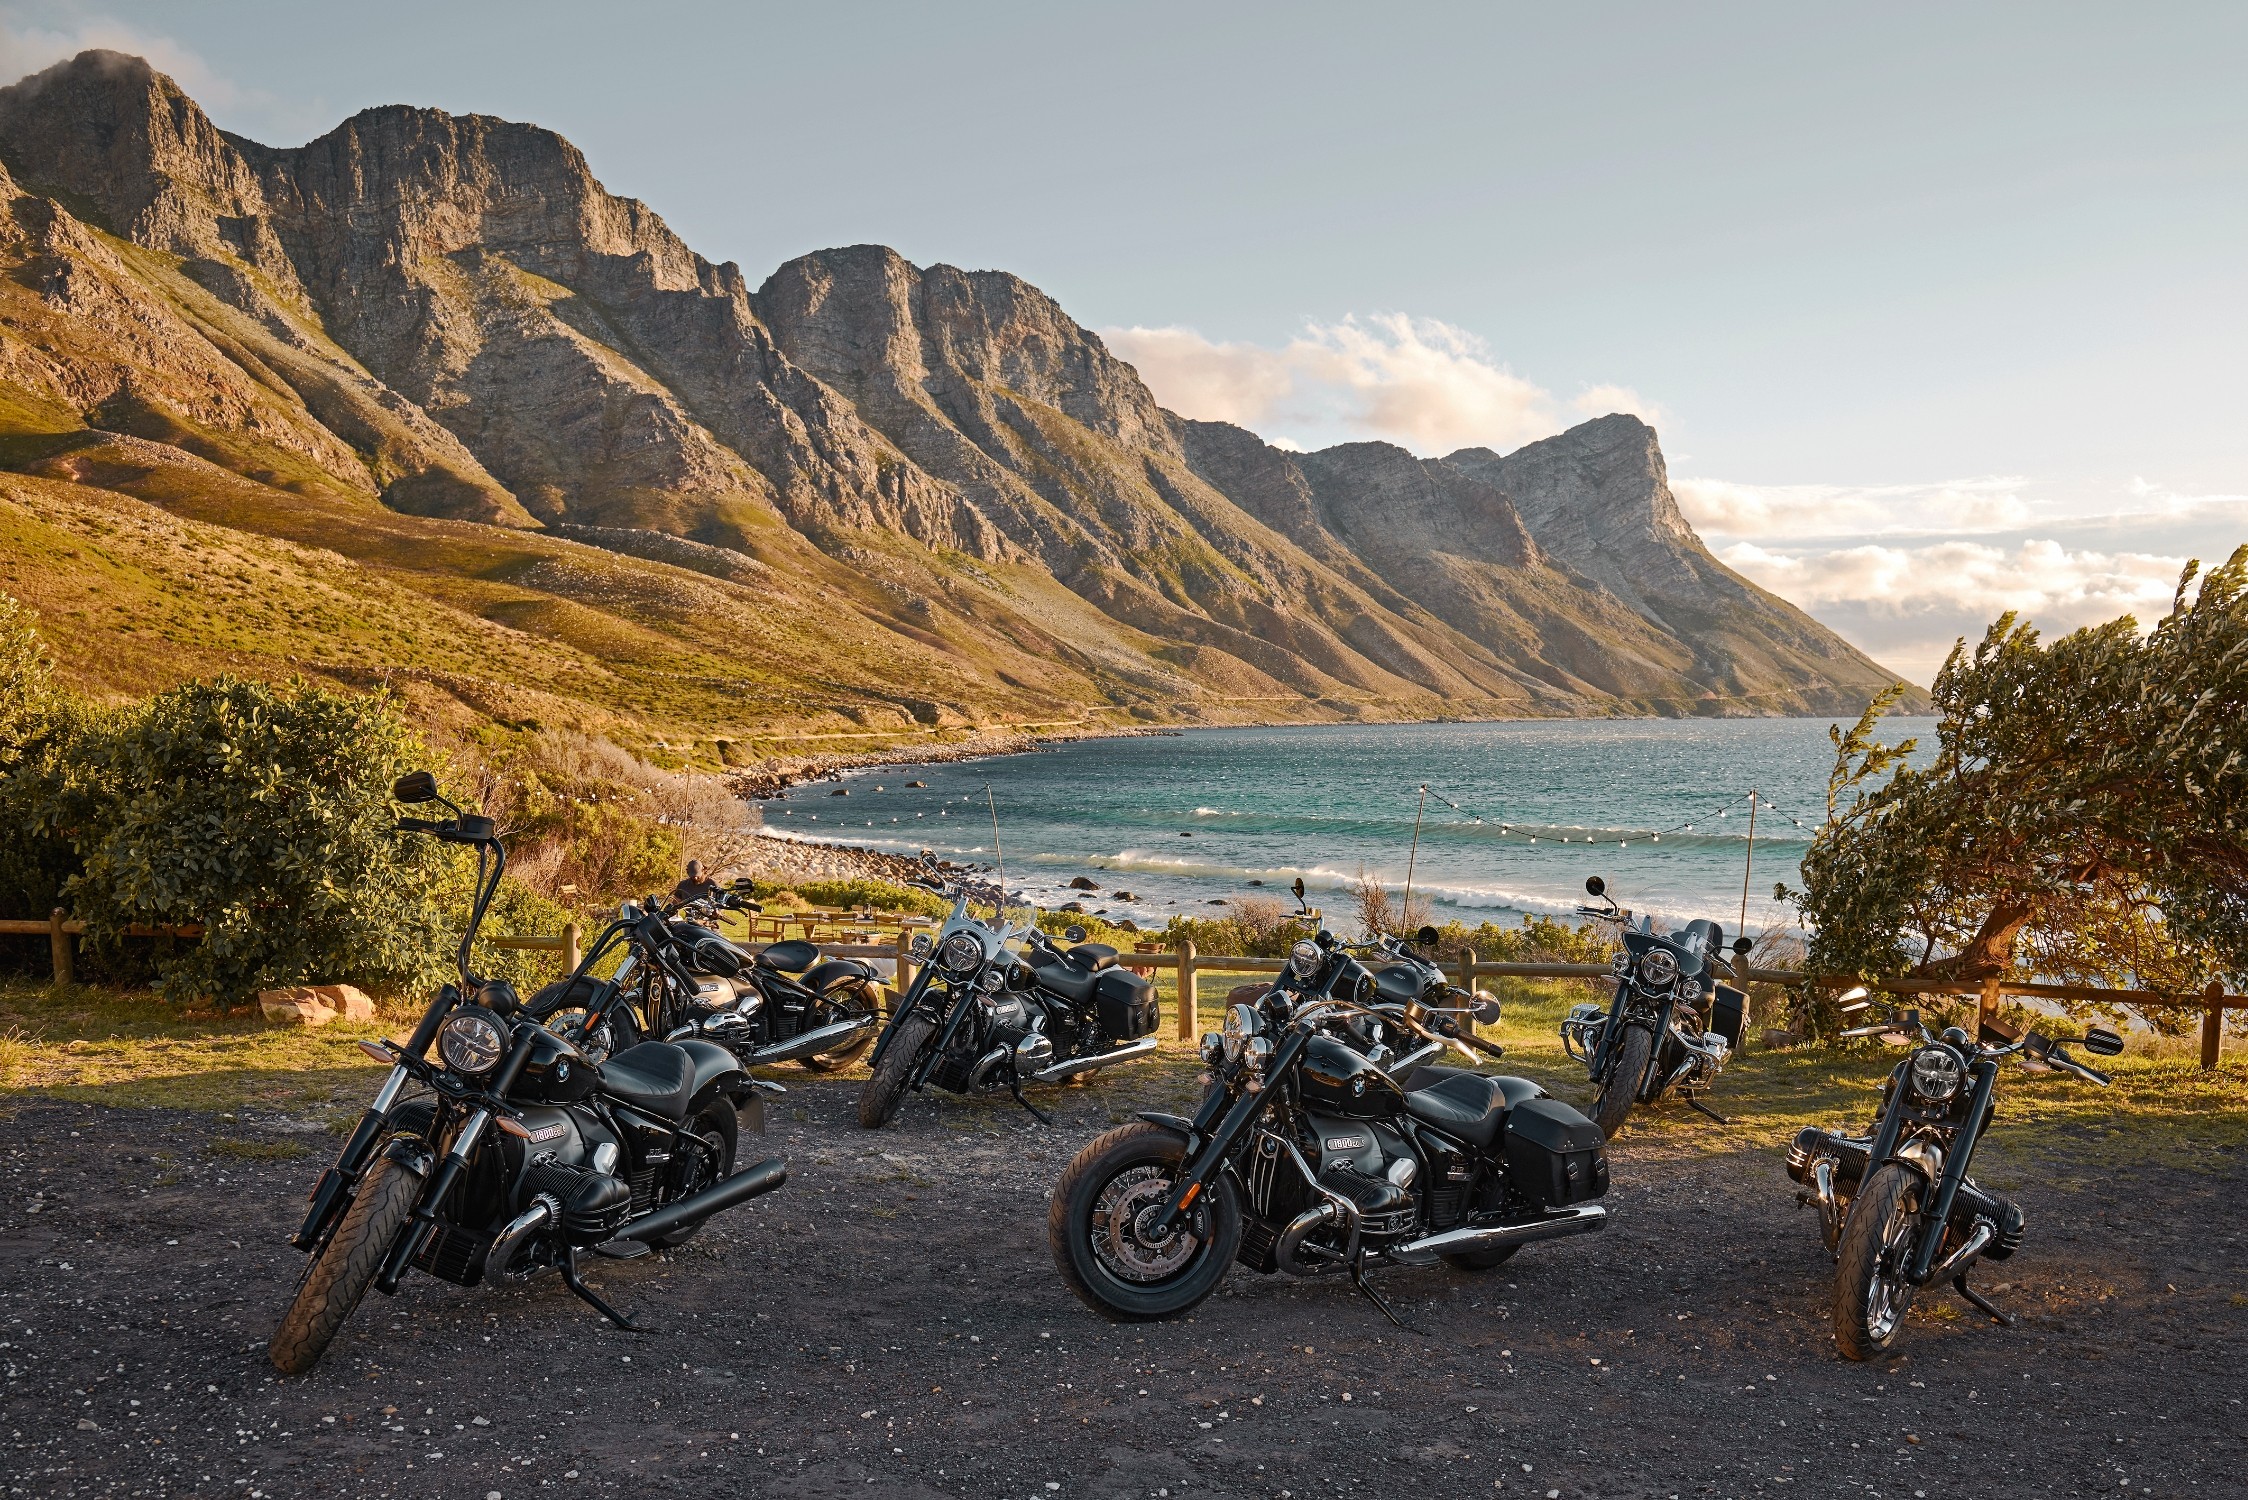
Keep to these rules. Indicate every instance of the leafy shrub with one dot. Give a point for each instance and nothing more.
(263, 813)
(880, 895)
(1254, 927)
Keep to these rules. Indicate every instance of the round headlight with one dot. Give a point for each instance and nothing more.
(1305, 958)
(471, 1042)
(1937, 1073)
(1621, 963)
(1241, 1023)
(961, 954)
(1658, 967)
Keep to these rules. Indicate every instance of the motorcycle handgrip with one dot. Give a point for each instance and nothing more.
(421, 825)
(2071, 1065)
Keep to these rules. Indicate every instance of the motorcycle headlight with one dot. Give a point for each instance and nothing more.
(1690, 990)
(960, 954)
(1621, 963)
(471, 1042)
(1305, 958)
(1213, 1048)
(1241, 1023)
(1256, 1052)
(1658, 967)
(1936, 1073)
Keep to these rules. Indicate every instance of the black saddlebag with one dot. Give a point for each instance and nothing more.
(1555, 1155)
(1127, 1007)
(1728, 1015)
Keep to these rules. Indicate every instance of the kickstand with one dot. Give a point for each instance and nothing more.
(1036, 1113)
(576, 1284)
(1358, 1280)
(1959, 1285)
(1696, 1104)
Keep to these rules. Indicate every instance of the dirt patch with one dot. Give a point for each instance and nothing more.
(888, 1325)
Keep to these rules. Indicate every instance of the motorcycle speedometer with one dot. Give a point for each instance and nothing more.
(471, 1042)
(961, 953)
(1658, 967)
(1305, 958)
(1937, 1073)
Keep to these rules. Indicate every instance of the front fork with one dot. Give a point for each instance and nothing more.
(424, 1222)
(1937, 1215)
(332, 1193)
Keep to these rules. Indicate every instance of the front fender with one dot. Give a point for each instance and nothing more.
(411, 1152)
(1178, 1123)
(1923, 1156)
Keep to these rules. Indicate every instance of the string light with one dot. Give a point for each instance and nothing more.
(1623, 841)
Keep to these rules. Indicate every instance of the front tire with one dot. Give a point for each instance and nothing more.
(1093, 1228)
(885, 1089)
(345, 1267)
(1621, 1088)
(1871, 1296)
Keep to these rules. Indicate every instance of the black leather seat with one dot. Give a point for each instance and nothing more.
(711, 1063)
(658, 1077)
(1515, 1089)
(1063, 977)
(1465, 1106)
(791, 957)
(1093, 956)
(1397, 983)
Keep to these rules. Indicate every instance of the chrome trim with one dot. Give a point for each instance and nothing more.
(1129, 1052)
(465, 1142)
(1982, 1234)
(1416, 1057)
(812, 1043)
(1335, 1201)
(1583, 1218)
(544, 1210)
(387, 1095)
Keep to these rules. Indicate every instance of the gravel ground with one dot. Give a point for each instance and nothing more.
(889, 1325)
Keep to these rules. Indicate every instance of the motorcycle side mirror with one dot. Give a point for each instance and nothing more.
(2101, 1042)
(1743, 946)
(1484, 1006)
(1426, 937)
(414, 786)
(1074, 933)
(1298, 888)
(1595, 886)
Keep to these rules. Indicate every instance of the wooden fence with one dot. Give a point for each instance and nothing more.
(1187, 967)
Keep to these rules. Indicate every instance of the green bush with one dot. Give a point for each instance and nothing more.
(1534, 940)
(880, 895)
(262, 813)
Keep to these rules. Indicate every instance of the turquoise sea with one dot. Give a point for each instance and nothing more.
(1184, 819)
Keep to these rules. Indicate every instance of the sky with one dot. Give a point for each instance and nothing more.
(1940, 310)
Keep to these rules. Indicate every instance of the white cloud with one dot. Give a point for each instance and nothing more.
(1600, 400)
(1417, 382)
(1906, 605)
(27, 49)
(1722, 507)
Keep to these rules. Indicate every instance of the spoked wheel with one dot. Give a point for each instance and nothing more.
(717, 1129)
(1621, 1089)
(852, 1002)
(881, 1094)
(1104, 1245)
(614, 1033)
(1871, 1295)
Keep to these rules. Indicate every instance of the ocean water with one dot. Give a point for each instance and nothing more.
(1518, 814)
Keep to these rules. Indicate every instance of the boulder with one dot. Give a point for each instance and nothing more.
(346, 1000)
(1082, 883)
(296, 1006)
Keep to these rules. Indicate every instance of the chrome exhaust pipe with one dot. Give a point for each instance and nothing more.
(811, 1043)
(497, 1260)
(750, 1182)
(984, 1065)
(1129, 1052)
(1584, 1218)
(1982, 1234)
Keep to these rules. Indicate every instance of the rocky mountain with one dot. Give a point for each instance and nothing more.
(435, 345)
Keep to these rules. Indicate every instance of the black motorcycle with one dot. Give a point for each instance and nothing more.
(1899, 1206)
(1307, 1157)
(517, 1152)
(681, 978)
(1672, 1024)
(983, 1018)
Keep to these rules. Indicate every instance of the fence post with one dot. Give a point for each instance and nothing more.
(58, 942)
(572, 953)
(2212, 1027)
(1987, 1011)
(1189, 996)
(1467, 982)
(905, 958)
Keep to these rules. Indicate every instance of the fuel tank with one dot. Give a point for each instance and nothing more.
(1337, 1081)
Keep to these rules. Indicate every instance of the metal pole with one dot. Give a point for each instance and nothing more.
(1406, 905)
(1747, 864)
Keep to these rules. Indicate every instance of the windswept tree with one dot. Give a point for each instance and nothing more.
(2080, 819)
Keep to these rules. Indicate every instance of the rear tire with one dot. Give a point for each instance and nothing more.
(1621, 1089)
(1090, 1228)
(884, 1091)
(716, 1125)
(1870, 1295)
(345, 1267)
(847, 1003)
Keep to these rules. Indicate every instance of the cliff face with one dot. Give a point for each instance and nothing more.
(448, 317)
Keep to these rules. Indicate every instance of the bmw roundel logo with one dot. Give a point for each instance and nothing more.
(1358, 1085)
